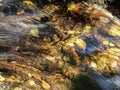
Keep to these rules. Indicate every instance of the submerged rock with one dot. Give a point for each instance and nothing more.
(76, 48)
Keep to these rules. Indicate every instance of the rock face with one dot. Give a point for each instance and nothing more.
(75, 46)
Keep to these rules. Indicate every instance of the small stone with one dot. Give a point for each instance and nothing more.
(66, 58)
(71, 6)
(30, 83)
(17, 88)
(93, 65)
(2, 78)
(45, 85)
(113, 64)
(34, 32)
(81, 43)
(1, 14)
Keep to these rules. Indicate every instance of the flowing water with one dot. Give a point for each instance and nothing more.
(58, 49)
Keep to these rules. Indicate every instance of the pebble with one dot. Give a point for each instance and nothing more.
(2, 78)
(17, 88)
